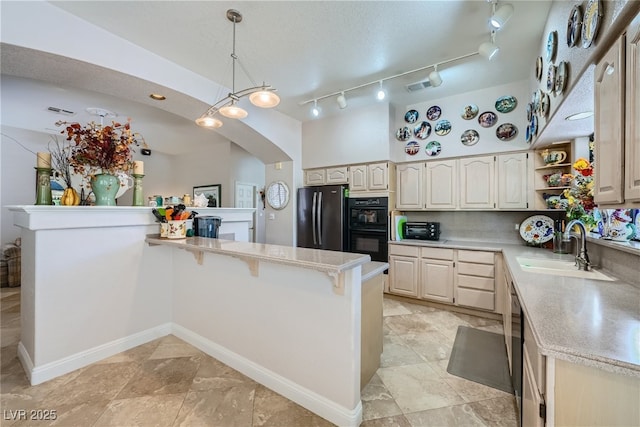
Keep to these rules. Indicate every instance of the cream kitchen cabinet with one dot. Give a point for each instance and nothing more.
(512, 181)
(370, 177)
(632, 123)
(436, 274)
(475, 281)
(441, 185)
(326, 176)
(315, 176)
(477, 182)
(409, 190)
(404, 270)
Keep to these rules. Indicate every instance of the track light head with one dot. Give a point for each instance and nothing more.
(434, 77)
(381, 94)
(315, 110)
(342, 101)
(488, 50)
(501, 16)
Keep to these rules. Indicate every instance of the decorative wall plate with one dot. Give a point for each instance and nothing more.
(527, 133)
(573, 26)
(422, 130)
(506, 131)
(470, 137)
(538, 103)
(534, 126)
(487, 119)
(591, 22)
(551, 77)
(469, 112)
(537, 229)
(506, 104)
(529, 111)
(433, 148)
(552, 44)
(412, 148)
(443, 127)
(433, 113)
(562, 74)
(545, 105)
(403, 134)
(539, 68)
(411, 116)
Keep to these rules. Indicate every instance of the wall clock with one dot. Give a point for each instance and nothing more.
(278, 195)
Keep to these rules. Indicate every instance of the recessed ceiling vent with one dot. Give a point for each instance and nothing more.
(61, 111)
(414, 87)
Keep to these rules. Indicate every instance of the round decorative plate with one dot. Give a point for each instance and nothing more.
(403, 134)
(487, 119)
(412, 148)
(506, 104)
(443, 127)
(423, 130)
(545, 104)
(470, 137)
(433, 148)
(527, 133)
(529, 111)
(469, 112)
(551, 77)
(411, 116)
(534, 126)
(433, 113)
(552, 44)
(538, 103)
(590, 23)
(506, 132)
(573, 26)
(539, 68)
(561, 77)
(537, 229)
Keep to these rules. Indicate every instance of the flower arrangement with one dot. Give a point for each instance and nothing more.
(101, 149)
(580, 196)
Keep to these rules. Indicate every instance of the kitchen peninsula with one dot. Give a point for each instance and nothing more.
(98, 281)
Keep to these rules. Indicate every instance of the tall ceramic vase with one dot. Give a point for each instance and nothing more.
(105, 187)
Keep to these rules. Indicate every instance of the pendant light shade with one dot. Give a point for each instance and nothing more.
(501, 16)
(488, 50)
(261, 96)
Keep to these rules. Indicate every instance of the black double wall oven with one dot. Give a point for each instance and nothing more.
(368, 227)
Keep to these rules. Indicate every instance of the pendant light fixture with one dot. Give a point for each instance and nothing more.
(263, 96)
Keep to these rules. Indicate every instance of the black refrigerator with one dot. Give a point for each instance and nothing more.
(322, 217)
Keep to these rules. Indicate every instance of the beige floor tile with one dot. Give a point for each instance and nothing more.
(222, 407)
(213, 374)
(418, 387)
(392, 307)
(395, 421)
(498, 412)
(430, 345)
(396, 352)
(410, 323)
(272, 410)
(171, 346)
(377, 401)
(458, 415)
(161, 376)
(83, 414)
(142, 411)
(10, 336)
(137, 354)
(472, 391)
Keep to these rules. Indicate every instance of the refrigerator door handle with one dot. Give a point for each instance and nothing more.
(314, 208)
(319, 211)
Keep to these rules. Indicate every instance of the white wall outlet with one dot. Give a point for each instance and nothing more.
(517, 227)
(272, 216)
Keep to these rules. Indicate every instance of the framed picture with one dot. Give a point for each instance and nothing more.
(211, 192)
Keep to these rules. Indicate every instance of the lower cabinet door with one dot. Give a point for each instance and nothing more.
(436, 280)
(403, 272)
(531, 399)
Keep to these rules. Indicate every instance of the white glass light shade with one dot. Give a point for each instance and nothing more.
(233, 112)
(208, 122)
(488, 50)
(342, 101)
(435, 79)
(264, 99)
(501, 16)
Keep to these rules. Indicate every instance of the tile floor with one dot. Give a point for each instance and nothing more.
(167, 382)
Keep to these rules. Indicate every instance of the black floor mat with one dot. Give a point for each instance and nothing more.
(480, 356)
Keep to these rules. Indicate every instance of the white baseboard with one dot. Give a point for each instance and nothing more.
(68, 364)
(306, 398)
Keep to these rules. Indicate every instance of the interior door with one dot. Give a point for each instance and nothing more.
(245, 197)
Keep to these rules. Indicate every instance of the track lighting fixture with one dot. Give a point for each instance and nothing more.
(489, 49)
(434, 77)
(342, 101)
(315, 110)
(263, 96)
(500, 15)
(381, 94)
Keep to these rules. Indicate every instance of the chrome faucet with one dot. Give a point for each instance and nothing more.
(582, 258)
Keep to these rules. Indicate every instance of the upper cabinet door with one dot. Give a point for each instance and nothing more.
(512, 181)
(442, 185)
(358, 178)
(632, 136)
(314, 177)
(378, 176)
(339, 175)
(609, 125)
(477, 183)
(409, 186)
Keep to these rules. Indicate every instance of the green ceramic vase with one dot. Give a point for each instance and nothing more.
(105, 187)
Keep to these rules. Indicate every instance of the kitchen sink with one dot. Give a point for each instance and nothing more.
(559, 268)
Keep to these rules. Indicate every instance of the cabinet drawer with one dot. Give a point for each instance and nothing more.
(413, 251)
(476, 256)
(476, 298)
(483, 270)
(538, 362)
(437, 253)
(483, 283)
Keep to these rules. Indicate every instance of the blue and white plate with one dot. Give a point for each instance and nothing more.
(411, 116)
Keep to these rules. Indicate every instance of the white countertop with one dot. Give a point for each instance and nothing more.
(315, 259)
(591, 322)
(372, 269)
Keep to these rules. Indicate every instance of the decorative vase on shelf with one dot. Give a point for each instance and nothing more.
(105, 187)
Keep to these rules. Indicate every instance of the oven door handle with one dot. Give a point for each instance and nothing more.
(314, 207)
(369, 230)
(319, 220)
